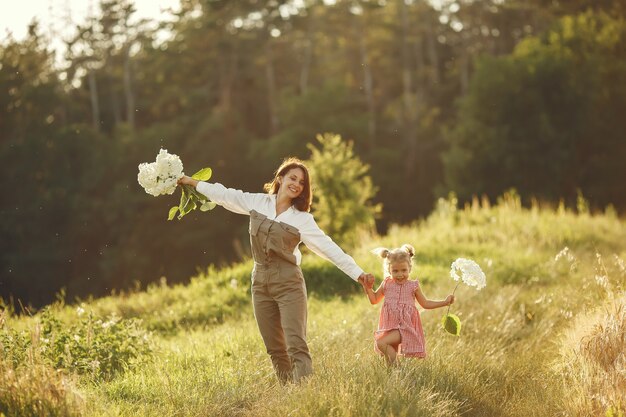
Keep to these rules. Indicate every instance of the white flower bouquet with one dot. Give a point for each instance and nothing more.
(468, 272)
(161, 177)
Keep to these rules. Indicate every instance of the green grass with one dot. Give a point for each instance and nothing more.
(544, 338)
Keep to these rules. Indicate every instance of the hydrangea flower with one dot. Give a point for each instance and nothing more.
(469, 272)
(160, 177)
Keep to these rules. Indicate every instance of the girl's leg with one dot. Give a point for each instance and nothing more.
(388, 345)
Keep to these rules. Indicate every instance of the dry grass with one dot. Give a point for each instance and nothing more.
(593, 356)
(35, 389)
(545, 338)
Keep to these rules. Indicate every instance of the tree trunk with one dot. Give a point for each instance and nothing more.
(95, 106)
(409, 110)
(306, 66)
(225, 98)
(271, 87)
(420, 64)
(368, 83)
(422, 94)
(305, 69)
(128, 89)
(115, 105)
(433, 55)
(464, 68)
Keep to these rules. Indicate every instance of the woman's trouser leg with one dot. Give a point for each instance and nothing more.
(293, 317)
(268, 318)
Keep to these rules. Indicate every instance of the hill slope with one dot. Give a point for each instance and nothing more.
(546, 337)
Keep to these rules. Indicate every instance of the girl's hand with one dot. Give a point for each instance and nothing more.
(450, 299)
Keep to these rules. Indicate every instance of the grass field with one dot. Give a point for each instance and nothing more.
(547, 337)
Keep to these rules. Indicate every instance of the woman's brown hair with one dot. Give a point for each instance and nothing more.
(303, 201)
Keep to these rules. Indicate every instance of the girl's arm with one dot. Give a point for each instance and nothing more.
(430, 304)
(374, 296)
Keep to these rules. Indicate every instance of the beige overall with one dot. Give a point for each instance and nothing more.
(279, 296)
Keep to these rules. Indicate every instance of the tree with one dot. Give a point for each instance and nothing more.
(342, 189)
(102, 48)
(547, 119)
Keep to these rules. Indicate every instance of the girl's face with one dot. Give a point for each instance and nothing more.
(399, 270)
(292, 183)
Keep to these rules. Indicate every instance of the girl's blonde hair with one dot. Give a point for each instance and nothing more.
(404, 253)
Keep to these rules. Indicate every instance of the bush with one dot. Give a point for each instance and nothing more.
(342, 190)
(100, 347)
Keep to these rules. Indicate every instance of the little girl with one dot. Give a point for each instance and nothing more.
(399, 326)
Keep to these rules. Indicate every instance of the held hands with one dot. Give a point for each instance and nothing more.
(366, 280)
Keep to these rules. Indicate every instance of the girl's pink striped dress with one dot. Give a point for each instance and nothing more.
(399, 312)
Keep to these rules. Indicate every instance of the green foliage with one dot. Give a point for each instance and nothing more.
(90, 345)
(330, 108)
(323, 279)
(190, 199)
(210, 298)
(615, 411)
(342, 190)
(239, 98)
(554, 96)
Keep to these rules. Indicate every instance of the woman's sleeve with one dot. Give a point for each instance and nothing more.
(233, 200)
(316, 240)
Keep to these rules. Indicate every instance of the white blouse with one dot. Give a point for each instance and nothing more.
(312, 236)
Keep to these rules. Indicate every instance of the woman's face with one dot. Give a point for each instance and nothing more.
(292, 183)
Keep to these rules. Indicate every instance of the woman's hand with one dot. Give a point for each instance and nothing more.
(185, 180)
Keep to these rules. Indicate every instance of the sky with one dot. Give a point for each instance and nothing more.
(55, 16)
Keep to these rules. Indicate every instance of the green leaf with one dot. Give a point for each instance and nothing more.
(190, 204)
(184, 198)
(203, 175)
(199, 197)
(191, 199)
(207, 205)
(172, 213)
(451, 324)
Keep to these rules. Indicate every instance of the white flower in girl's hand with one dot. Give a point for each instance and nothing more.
(469, 272)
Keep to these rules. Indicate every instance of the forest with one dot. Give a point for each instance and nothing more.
(432, 99)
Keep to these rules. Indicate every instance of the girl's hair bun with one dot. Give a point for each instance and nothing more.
(382, 252)
(408, 249)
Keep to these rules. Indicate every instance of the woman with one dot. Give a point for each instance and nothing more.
(279, 221)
